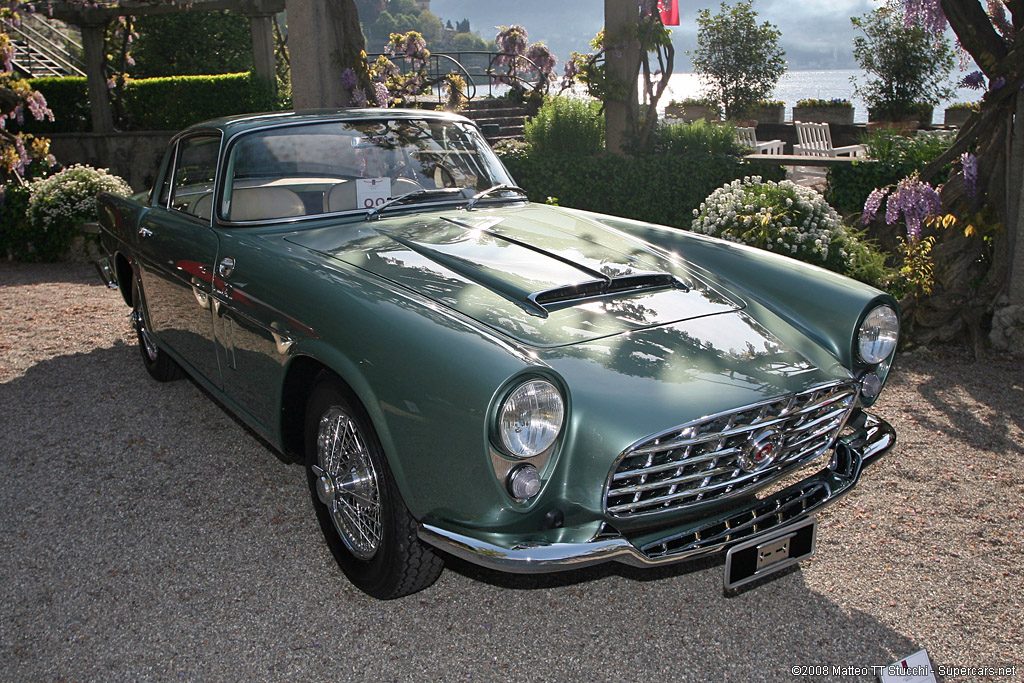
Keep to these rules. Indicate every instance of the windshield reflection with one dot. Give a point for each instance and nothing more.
(347, 166)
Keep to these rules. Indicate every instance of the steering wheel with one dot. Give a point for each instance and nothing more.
(443, 177)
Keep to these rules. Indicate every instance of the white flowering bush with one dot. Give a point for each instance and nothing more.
(782, 217)
(60, 203)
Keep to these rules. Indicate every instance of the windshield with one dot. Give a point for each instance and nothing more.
(354, 166)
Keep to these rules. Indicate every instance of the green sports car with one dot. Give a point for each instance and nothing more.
(528, 387)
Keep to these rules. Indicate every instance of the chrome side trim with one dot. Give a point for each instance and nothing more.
(757, 519)
(106, 272)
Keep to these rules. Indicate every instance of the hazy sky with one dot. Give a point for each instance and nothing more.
(816, 34)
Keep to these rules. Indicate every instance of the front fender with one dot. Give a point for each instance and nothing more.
(824, 306)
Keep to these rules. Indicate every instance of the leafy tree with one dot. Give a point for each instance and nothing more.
(369, 9)
(384, 25)
(396, 7)
(20, 153)
(640, 46)
(217, 43)
(431, 27)
(407, 22)
(740, 62)
(466, 42)
(905, 65)
(974, 263)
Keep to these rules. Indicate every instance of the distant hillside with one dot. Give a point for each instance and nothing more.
(816, 34)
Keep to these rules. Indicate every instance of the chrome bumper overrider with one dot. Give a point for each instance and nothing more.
(872, 439)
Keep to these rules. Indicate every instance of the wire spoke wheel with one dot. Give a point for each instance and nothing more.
(365, 522)
(349, 483)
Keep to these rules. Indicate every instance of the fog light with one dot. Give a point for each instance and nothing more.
(524, 482)
(870, 385)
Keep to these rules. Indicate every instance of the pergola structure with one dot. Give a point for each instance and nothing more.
(92, 20)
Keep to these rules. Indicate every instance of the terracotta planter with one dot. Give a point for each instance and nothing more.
(833, 115)
(691, 112)
(957, 117)
(922, 116)
(775, 113)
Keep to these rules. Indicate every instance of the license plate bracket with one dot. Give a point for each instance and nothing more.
(765, 555)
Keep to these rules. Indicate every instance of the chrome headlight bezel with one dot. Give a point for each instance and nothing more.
(530, 418)
(877, 335)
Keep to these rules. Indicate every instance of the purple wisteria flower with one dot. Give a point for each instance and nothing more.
(7, 57)
(873, 203)
(926, 14)
(358, 97)
(969, 162)
(997, 13)
(541, 55)
(917, 201)
(37, 105)
(382, 95)
(974, 80)
(349, 79)
(996, 83)
(512, 39)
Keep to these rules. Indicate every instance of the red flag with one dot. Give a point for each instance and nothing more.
(669, 10)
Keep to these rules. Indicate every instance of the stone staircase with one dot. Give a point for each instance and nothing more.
(44, 47)
(508, 117)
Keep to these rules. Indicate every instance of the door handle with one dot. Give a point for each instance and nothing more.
(145, 232)
(226, 267)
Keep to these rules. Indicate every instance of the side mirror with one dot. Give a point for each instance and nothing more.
(491, 130)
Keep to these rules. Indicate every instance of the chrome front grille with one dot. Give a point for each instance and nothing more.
(713, 458)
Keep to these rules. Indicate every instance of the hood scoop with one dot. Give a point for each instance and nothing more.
(595, 289)
(541, 302)
(542, 282)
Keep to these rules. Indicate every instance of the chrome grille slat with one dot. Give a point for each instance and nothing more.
(675, 481)
(675, 465)
(702, 461)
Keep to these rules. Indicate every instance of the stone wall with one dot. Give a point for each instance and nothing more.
(134, 156)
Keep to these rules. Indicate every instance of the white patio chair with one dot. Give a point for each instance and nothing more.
(746, 137)
(816, 141)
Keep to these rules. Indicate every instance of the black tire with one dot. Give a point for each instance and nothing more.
(159, 365)
(366, 524)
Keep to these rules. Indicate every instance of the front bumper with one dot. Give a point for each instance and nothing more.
(853, 452)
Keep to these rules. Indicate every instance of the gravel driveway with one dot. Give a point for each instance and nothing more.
(146, 535)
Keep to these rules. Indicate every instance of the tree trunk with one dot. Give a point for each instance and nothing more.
(324, 38)
(623, 62)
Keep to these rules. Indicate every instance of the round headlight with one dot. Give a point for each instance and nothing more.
(531, 418)
(878, 335)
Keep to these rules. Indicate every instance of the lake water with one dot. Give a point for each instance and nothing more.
(800, 85)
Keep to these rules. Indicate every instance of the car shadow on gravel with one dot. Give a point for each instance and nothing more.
(997, 383)
(144, 533)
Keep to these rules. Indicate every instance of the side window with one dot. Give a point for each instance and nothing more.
(194, 173)
(167, 169)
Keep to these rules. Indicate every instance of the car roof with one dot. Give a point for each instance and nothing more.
(232, 125)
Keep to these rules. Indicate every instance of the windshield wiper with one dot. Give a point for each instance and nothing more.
(423, 192)
(491, 190)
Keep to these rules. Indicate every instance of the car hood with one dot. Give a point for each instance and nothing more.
(538, 274)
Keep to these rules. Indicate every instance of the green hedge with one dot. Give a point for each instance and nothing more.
(69, 100)
(654, 188)
(169, 103)
(176, 102)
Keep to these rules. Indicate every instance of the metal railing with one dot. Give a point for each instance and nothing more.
(477, 68)
(41, 49)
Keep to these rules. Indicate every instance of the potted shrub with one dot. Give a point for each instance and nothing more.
(918, 115)
(834, 111)
(904, 67)
(765, 111)
(692, 109)
(958, 113)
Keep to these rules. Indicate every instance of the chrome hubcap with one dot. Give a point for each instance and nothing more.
(347, 483)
